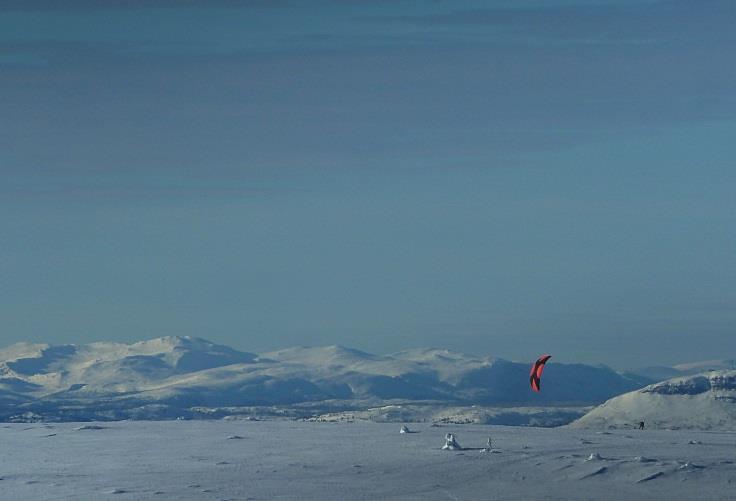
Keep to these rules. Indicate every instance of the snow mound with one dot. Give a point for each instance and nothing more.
(690, 467)
(699, 402)
(451, 443)
(595, 473)
(650, 477)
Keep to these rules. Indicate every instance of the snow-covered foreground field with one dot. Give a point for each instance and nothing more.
(299, 460)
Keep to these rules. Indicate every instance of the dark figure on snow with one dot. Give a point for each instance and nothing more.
(641, 425)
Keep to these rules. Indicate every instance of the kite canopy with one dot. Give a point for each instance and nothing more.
(535, 375)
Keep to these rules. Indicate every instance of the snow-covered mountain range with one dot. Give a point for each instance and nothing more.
(182, 376)
(704, 401)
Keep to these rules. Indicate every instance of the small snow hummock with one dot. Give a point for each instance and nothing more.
(450, 443)
(404, 429)
(594, 456)
(597, 471)
(654, 475)
(690, 466)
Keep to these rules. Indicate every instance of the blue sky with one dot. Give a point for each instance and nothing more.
(503, 177)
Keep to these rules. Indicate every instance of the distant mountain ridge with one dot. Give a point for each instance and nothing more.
(661, 373)
(179, 376)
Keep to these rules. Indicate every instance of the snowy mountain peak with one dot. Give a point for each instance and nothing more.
(695, 385)
(702, 401)
(168, 343)
(22, 350)
(117, 367)
(332, 355)
(431, 354)
(190, 353)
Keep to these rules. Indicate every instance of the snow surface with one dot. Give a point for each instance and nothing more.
(194, 460)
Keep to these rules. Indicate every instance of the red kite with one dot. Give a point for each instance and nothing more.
(535, 375)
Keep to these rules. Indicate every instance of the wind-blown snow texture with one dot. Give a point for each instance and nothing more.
(196, 460)
(703, 401)
(189, 377)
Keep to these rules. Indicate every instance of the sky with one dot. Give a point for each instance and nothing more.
(498, 177)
